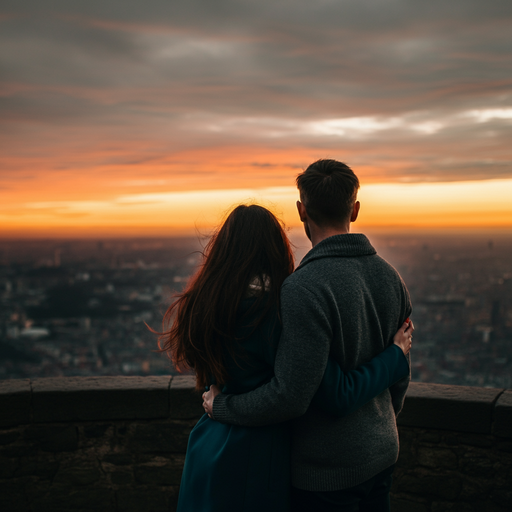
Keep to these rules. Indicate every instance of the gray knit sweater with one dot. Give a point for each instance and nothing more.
(345, 301)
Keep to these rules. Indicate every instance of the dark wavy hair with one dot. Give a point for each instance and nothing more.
(250, 244)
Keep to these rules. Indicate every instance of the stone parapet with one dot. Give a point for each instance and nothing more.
(502, 425)
(459, 408)
(65, 399)
(119, 443)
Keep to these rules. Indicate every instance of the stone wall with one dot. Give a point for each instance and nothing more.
(455, 450)
(94, 444)
(118, 444)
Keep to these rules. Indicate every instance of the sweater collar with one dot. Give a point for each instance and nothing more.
(349, 245)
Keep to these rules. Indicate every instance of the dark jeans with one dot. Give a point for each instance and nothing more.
(370, 496)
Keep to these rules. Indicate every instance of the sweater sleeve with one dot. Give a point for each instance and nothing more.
(399, 389)
(341, 393)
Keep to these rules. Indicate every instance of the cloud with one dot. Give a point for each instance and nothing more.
(486, 115)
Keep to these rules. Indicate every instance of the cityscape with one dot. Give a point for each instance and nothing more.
(83, 307)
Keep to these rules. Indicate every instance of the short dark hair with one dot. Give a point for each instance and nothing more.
(328, 190)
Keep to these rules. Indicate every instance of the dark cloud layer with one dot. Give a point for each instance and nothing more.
(428, 80)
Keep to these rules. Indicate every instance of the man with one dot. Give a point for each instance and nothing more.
(345, 301)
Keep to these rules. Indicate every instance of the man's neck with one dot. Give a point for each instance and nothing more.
(318, 233)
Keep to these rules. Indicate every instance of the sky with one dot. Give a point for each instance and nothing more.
(122, 117)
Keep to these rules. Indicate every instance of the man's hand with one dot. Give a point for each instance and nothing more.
(208, 398)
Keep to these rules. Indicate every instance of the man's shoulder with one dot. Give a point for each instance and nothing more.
(382, 266)
(301, 285)
(307, 273)
(294, 280)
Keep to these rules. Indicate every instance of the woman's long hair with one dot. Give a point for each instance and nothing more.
(250, 245)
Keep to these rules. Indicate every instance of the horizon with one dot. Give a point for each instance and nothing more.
(458, 232)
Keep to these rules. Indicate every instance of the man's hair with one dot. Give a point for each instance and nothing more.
(328, 190)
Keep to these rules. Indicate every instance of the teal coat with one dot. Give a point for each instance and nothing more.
(245, 469)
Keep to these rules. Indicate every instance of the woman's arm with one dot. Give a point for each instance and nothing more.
(341, 393)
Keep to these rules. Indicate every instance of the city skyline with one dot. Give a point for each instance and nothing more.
(79, 307)
(130, 119)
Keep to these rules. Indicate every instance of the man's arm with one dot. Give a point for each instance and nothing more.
(299, 366)
(299, 370)
(399, 390)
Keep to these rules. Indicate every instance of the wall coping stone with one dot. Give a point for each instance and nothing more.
(15, 399)
(65, 399)
(99, 398)
(186, 402)
(446, 407)
(502, 426)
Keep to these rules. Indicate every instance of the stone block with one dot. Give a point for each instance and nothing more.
(169, 437)
(52, 438)
(77, 476)
(135, 501)
(184, 401)
(121, 477)
(473, 488)
(9, 437)
(16, 450)
(452, 440)
(100, 398)
(502, 426)
(475, 440)
(503, 468)
(15, 398)
(489, 506)
(431, 437)
(457, 408)
(121, 430)
(13, 498)
(118, 459)
(160, 474)
(9, 467)
(403, 505)
(41, 467)
(452, 507)
(434, 457)
(64, 499)
(505, 446)
(477, 466)
(95, 431)
(439, 486)
(407, 454)
(502, 497)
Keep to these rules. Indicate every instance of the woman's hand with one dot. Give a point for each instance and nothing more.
(403, 338)
(208, 398)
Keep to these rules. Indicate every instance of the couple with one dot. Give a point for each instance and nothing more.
(318, 346)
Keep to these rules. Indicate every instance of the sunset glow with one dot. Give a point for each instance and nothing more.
(466, 205)
(154, 120)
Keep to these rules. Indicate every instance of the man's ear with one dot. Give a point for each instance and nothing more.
(355, 211)
(302, 211)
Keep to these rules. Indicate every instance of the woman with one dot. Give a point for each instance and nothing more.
(225, 326)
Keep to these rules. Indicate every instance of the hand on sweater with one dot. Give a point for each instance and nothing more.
(403, 338)
(208, 398)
